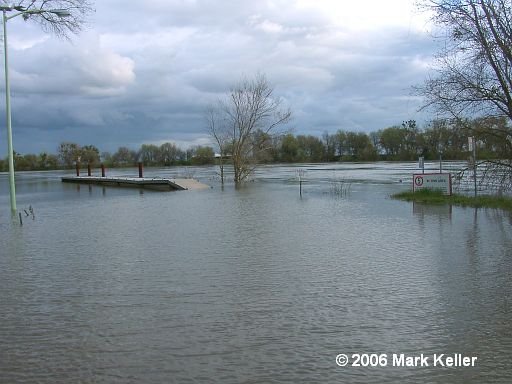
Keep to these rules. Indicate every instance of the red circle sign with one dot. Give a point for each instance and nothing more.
(418, 180)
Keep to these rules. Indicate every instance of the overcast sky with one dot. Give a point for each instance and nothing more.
(145, 71)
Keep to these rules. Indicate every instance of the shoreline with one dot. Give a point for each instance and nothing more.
(437, 198)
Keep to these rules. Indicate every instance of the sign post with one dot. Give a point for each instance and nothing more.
(440, 158)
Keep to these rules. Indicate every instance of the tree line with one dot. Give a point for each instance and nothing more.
(68, 154)
(405, 142)
(447, 138)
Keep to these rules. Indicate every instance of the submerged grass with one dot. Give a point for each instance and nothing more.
(428, 196)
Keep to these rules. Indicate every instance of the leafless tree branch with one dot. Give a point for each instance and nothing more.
(76, 11)
(473, 72)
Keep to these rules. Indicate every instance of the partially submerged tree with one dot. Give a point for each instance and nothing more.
(473, 75)
(220, 134)
(245, 122)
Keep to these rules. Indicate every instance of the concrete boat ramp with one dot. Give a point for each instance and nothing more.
(158, 184)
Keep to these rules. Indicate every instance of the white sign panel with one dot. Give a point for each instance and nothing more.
(435, 181)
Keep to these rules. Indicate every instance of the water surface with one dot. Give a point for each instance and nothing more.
(255, 285)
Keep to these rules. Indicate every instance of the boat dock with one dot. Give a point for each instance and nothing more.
(158, 184)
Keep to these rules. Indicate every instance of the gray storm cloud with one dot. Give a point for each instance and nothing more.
(145, 72)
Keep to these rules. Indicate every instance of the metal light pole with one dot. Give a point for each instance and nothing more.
(474, 162)
(12, 188)
(20, 11)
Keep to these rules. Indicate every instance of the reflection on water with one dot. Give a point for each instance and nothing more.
(438, 210)
(250, 285)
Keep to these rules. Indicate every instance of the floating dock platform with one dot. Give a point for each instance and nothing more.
(158, 184)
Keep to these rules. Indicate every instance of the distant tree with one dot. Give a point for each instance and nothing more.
(369, 153)
(42, 161)
(289, 149)
(124, 157)
(52, 161)
(250, 107)
(168, 154)
(203, 155)
(375, 140)
(263, 144)
(311, 148)
(189, 153)
(90, 155)
(181, 156)
(69, 154)
(340, 143)
(436, 136)
(149, 154)
(445, 137)
(412, 141)
(47, 161)
(358, 146)
(106, 159)
(25, 162)
(392, 140)
(491, 145)
(329, 142)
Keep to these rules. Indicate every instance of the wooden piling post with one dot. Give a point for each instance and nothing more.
(77, 168)
(88, 169)
(140, 170)
(102, 170)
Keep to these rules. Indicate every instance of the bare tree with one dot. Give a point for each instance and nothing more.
(244, 123)
(217, 129)
(473, 74)
(43, 12)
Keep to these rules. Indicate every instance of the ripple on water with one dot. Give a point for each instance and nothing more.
(255, 285)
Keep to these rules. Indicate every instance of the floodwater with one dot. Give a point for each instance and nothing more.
(255, 285)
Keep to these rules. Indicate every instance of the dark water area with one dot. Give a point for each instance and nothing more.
(251, 285)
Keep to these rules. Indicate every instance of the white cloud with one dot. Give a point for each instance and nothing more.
(266, 26)
(105, 73)
(367, 15)
(61, 68)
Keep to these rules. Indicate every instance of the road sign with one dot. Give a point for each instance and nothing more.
(435, 181)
